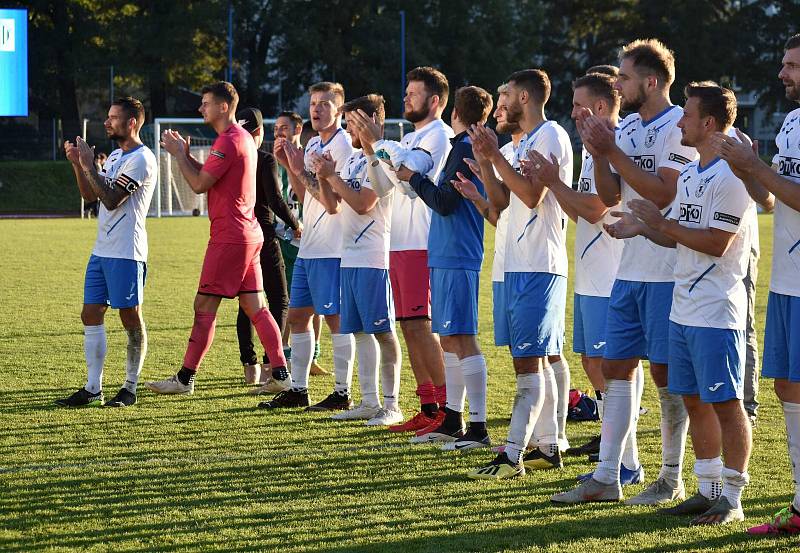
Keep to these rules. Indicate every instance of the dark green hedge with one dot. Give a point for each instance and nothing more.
(38, 187)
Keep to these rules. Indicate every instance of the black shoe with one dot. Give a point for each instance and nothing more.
(594, 457)
(536, 460)
(695, 505)
(336, 401)
(82, 398)
(288, 398)
(592, 446)
(124, 398)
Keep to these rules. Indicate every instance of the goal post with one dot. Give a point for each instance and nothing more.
(172, 195)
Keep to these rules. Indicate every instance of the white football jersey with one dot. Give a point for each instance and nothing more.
(709, 291)
(536, 240)
(121, 232)
(411, 218)
(786, 223)
(365, 238)
(321, 231)
(651, 145)
(498, 264)
(597, 254)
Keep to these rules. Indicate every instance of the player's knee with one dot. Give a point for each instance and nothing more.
(92, 314)
(131, 317)
(787, 391)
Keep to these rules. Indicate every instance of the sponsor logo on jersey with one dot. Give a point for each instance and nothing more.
(355, 184)
(646, 163)
(679, 158)
(691, 213)
(650, 138)
(727, 218)
(789, 167)
(584, 185)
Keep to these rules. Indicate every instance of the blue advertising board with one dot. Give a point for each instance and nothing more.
(13, 63)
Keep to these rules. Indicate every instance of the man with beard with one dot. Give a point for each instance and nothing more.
(596, 257)
(315, 282)
(647, 154)
(535, 275)
(117, 268)
(425, 100)
(781, 348)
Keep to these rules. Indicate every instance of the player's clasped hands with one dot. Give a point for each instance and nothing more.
(741, 154)
(71, 151)
(647, 212)
(368, 130)
(85, 153)
(173, 142)
(539, 169)
(627, 226)
(597, 134)
(484, 141)
(323, 165)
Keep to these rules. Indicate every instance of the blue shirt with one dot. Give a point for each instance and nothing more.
(455, 240)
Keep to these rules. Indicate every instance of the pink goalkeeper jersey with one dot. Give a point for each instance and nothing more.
(231, 200)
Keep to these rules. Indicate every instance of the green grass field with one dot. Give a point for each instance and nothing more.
(210, 472)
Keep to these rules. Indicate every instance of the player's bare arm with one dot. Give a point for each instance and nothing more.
(496, 190)
(575, 204)
(112, 194)
(468, 189)
(199, 181)
(86, 192)
(762, 181)
(710, 241)
(485, 141)
(659, 188)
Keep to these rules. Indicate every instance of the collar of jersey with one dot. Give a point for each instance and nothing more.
(700, 168)
(535, 130)
(323, 144)
(667, 109)
(124, 153)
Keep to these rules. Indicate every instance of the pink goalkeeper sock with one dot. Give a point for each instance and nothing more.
(200, 339)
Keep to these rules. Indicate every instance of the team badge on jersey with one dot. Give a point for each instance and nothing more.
(700, 189)
(650, 138)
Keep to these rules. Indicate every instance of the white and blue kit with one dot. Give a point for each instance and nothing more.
(637, 325)
(502, 336)
(536, 255)
(596, 259)
(781, 351)
(455, 244)
(367, 304)
(709, 302)
(117, 268)
(315, 281)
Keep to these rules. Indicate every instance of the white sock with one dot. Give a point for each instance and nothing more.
(674, 428)
(137, 349)
(302, 351)
(390, 370)
(475, 376)
(709, 477)
(618, 417)
(630, 455)
(562, 376)
(527, 406)
(791, 414)
(343, 355)
(599, 396)
(94, 348)
(367, 350)
(733, 483)
(454, 382)
(545, 431)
